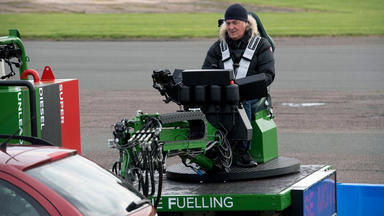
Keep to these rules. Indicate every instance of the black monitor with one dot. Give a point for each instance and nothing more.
(207, 77)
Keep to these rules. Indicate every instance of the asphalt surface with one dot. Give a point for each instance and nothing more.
(328, 94)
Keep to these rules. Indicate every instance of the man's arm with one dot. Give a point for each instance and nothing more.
(265, 61)
(213, 58)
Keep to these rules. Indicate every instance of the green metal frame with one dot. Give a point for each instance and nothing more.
(14, 37)
(264, 141)
(17, 105)
(175, 138)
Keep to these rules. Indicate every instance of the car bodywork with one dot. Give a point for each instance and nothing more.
(24, 168)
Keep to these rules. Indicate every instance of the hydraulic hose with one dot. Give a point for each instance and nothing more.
(160, 184)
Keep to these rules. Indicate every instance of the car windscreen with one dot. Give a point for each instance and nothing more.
(90, 188)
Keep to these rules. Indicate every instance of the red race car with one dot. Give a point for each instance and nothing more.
(47, 180)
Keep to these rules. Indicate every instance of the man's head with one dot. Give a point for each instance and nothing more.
(236, 18)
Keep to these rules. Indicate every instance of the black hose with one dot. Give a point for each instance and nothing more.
(160, 184)
(114, 168)
(141, 181)
(152, 173)
(135, 161)
(146, 185)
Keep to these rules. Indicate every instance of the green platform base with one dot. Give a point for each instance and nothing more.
(267, 194)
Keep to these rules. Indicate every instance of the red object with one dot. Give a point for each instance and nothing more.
(15, 160)
(35, 75)
(32, 173)
(70, 114)
(231, 82)
(47, 74)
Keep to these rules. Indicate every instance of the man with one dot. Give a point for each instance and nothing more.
(238, 32)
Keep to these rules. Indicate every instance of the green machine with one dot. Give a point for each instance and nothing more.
(45, 107)
(182, 161)
(203, 135)
(211, 122)
(18, 109)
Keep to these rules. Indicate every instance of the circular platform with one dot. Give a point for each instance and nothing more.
(275, 167)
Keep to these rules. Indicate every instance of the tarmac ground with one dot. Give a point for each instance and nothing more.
(328, 95)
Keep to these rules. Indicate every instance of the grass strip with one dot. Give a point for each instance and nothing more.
(319, 18)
